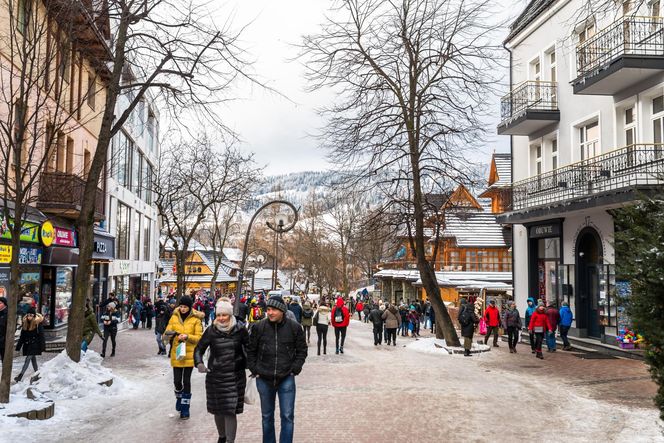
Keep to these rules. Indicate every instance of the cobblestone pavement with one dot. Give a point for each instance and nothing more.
(381, 394)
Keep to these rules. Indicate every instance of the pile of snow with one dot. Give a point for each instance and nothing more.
(20, 403)
(62, 378)
(439, 347)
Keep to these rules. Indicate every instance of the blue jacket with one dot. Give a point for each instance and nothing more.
(566, 316)
(529, 310)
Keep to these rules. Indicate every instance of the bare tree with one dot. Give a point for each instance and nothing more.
(174, 48)
(40, 106)
(412, 77)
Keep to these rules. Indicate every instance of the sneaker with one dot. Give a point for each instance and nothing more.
(341, 350)
(102, 355)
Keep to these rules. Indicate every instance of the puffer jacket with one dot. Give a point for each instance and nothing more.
(226, 380)
(307, 315)
(276, 350)
(32, 337)
(392, 318)
(539, 319)
(110, 321)
(530, 310)
(324, 315)
(344, 310)
(376, 317)
(193, 328)
(512, 319)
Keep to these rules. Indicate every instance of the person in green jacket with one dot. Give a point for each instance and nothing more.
(90, 328)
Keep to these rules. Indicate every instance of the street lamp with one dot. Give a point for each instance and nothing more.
(281, 224)
(278, 227)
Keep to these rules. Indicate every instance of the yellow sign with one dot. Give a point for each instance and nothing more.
(47, 233)
(5, 254)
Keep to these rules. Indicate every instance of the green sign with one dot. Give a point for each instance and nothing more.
(29, 231)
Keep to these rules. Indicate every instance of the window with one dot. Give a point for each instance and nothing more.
(22, 15)
(553, 75)
(538, 160)
(471, 261)
(587, 31)
(87, 159)
(146, 239)
(123, 230)
(630, 127)
(655, 8)
(136, 175)
(554, 154)
(627, 7)
(589, 140)
(92, 86)
(658, 124)
(121, 158)
(536, 70)
(64, 65)
(137, 236)
(152, 131)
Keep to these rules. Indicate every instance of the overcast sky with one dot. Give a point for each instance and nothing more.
(277, 129)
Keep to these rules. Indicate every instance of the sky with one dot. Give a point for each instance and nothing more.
(278, 129)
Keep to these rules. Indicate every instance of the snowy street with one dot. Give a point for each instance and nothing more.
(375, 394)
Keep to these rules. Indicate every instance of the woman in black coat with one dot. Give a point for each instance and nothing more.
(31, 340)
(225, 378)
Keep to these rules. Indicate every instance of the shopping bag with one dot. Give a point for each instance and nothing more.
(181, 351)
(483, 326)
(251, 392)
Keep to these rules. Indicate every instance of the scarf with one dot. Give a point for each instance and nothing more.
(227, 327)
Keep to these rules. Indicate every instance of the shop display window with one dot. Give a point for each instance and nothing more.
(64, 279)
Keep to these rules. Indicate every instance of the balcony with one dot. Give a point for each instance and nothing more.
(595, 181)
(484, 264)
(622, 55)
(530, 107)
(61, 194)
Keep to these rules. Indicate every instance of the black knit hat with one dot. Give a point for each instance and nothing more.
(187, 301)
(277, 302)
(32, 311)
(3, 300)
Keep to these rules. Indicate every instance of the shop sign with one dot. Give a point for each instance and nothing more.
(547, 230)
(47, 233)
(26, 256)
(104, 248)
(29, 231)
(65, 237)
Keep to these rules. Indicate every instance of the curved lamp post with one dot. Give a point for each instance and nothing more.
(280, 226)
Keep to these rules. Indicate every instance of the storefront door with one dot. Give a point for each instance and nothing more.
(588, 253)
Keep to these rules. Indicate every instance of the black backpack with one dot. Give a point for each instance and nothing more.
(465, 318)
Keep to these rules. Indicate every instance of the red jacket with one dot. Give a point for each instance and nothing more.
(554, 317)
(492, 316)
(344, 310)
(539, 318)
(359, 306)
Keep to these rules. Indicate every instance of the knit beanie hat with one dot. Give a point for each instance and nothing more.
(32, 311)
(187, 301)
(111, 305)
(224, 307)
(277, 302)
(3, 300)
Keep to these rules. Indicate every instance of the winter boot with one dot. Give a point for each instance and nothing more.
(539, 355)
(184, 406)
(341, 349)
(178, 400)
(18, 378)
(466, 353)
(221, 440)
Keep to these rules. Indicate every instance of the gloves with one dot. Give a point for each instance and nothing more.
(201, 368)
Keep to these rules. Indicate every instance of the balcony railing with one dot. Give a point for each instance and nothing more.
(500, 265)
(529, 95)
(60, 191)
(635, 36)
(631, 166)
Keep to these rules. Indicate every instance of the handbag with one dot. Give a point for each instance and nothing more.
(181, 351)
(251, 392)
(315, 320)
(483, 328)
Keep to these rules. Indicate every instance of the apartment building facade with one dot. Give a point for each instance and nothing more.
(586, 118)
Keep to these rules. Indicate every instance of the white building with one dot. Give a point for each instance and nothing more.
(586, 116)
(131, 215)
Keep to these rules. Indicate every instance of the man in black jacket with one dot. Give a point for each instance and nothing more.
(376, 318)
(162, 316)
(275, 355)
(3, 326)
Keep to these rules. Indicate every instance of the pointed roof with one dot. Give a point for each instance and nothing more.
(462, 198)
(500, 174)
(529, 14)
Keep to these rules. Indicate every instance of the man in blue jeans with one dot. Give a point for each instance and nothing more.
(275, 355)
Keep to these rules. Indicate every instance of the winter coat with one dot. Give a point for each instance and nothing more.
(296, 309)
(226, 379)
(346, 314)
(554, 317)
(276, 350)
(392, 318)
(366, 309)
(376, 317)
(530, 310)
(3, 327)
(32, 340)
(110, 321)
(307, 315)
(324, 317)
(162, 316)
(90, 327)
(243, 312)
(512, 319)
(566, 316)
(359, 306)
(468, 329)
(539, 318)
(193, 328)
(492, 316)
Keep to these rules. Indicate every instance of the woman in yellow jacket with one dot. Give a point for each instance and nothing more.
(184, 326)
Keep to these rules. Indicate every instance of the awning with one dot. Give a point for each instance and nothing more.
(57, 255)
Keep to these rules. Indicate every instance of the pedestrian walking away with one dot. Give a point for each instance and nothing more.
(322, 321)
(110, 320)
(90, 328)
(529, 312)
(539, 325)
(184, 329)
(512, 323)
(31, 340)
(225, 378)
(492, 318)
(340, 320)
(276, 354)
(392, 322)
(3, 326)
(296, 309)
(307, 319)
(468, 320)
(359, 307)
(366, 310)
(149, 314)
(162, 316)
(566, 318)
(376, 318)
(554, 318)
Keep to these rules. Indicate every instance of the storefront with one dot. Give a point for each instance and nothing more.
(545, 247)
(103, 253)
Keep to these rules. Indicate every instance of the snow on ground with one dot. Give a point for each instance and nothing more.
(433, 345)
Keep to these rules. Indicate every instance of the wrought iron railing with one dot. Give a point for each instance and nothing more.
(631, 166)
(533, 95)
(63, 190)
(477, 265)
(641, 36)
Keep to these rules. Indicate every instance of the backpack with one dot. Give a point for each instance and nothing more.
(338, 315)
(465, 318)
(256, 313)
(307, 314)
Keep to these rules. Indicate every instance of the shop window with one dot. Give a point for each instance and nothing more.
(63, 293)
